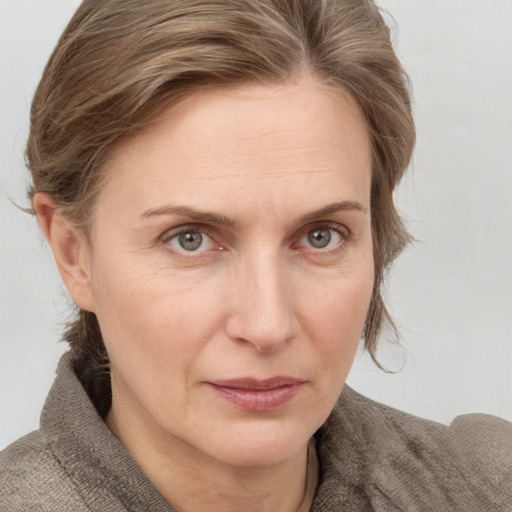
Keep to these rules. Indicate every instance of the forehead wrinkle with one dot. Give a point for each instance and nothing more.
(268, 175)
(273, 172)
(233, 167)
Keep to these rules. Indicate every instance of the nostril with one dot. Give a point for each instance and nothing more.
(266, 334)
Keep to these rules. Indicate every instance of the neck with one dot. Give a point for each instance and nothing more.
(191, 480)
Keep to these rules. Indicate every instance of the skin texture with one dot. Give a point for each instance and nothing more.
(256, 299)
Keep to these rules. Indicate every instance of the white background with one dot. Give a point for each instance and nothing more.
(451, 292)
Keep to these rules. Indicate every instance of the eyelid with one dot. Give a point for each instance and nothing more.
(171, 232)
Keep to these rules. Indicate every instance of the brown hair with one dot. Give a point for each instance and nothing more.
(119, 62)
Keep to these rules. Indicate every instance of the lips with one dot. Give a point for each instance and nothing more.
(257, 395)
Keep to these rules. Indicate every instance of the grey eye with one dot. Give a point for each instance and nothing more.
(190, 241)
(323, 237)
(319, 237)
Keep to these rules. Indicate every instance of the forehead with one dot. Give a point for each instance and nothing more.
(271, 140)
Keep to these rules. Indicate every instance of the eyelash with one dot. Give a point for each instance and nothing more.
(171, 234)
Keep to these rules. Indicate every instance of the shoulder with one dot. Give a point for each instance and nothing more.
(474, 437)
(31, 478)
(419, 464)
(480, 441)
(484, 443)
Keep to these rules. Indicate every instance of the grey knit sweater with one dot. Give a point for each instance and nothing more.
(372, 458)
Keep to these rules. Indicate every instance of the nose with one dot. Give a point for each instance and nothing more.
(262, 309)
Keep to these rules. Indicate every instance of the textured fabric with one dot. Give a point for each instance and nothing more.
(372, 458)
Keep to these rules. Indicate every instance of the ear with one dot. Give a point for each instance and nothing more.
(70, 250)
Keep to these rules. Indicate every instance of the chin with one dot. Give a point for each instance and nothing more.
(261, 445)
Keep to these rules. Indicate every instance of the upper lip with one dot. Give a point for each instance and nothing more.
(251, 383)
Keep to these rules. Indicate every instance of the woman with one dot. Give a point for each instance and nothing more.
(215, 181)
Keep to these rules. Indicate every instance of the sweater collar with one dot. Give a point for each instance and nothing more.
(101, 468)
(375, 457)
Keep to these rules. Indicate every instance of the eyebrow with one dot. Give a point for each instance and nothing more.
(333, 208)
(184, 211)
(221, 220)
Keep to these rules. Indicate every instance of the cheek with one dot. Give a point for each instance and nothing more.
(147, 314)
(336, 312)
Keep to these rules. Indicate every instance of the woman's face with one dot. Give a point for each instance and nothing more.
(231, 269)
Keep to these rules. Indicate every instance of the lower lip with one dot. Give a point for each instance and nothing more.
(258, 399)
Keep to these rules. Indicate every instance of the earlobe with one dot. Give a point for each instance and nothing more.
(70, 250)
